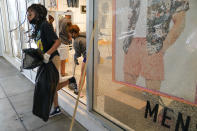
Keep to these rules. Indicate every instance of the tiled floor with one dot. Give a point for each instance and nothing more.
(16, 98)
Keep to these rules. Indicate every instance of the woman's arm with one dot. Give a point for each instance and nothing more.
(176, 30)
(54, 47)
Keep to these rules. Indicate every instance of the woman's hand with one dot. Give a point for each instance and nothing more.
(46, 58)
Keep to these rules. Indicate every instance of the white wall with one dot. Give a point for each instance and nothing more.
(78, 17)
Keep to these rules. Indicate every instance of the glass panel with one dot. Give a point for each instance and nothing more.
(67, 52)
(135, 85)
(13, 20)
(24, 30)
(29, 2)
(7, 44)
(23, 20)
(2, 38)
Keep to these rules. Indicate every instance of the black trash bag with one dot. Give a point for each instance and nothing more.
(32, 58)
(46, 82)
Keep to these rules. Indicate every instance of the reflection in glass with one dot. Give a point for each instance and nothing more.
(125, 104)
(24, 27)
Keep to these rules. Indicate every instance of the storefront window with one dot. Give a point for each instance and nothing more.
(2, 41)
(14, 22)
(145, 77)
(5, 28)
(24, 27)
(62, 13)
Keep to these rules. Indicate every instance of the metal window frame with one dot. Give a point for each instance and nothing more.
(90, 69)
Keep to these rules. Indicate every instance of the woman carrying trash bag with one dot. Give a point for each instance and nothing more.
(47, 41)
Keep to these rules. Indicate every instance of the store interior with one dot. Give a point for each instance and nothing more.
(77, 14)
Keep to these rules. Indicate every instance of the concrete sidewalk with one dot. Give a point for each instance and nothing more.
(16, 99)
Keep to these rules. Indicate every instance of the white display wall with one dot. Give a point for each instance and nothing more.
(79, 18)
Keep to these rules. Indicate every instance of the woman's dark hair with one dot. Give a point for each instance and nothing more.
(40, 16)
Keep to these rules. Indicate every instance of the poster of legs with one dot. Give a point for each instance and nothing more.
(155, 46)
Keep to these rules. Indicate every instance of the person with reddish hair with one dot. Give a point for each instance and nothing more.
(79, 46)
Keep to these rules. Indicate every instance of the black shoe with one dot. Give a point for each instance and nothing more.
(76, 91)
(72, 80)
(72, 86)
(55, 112)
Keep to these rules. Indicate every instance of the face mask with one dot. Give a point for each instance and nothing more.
(33, 21)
